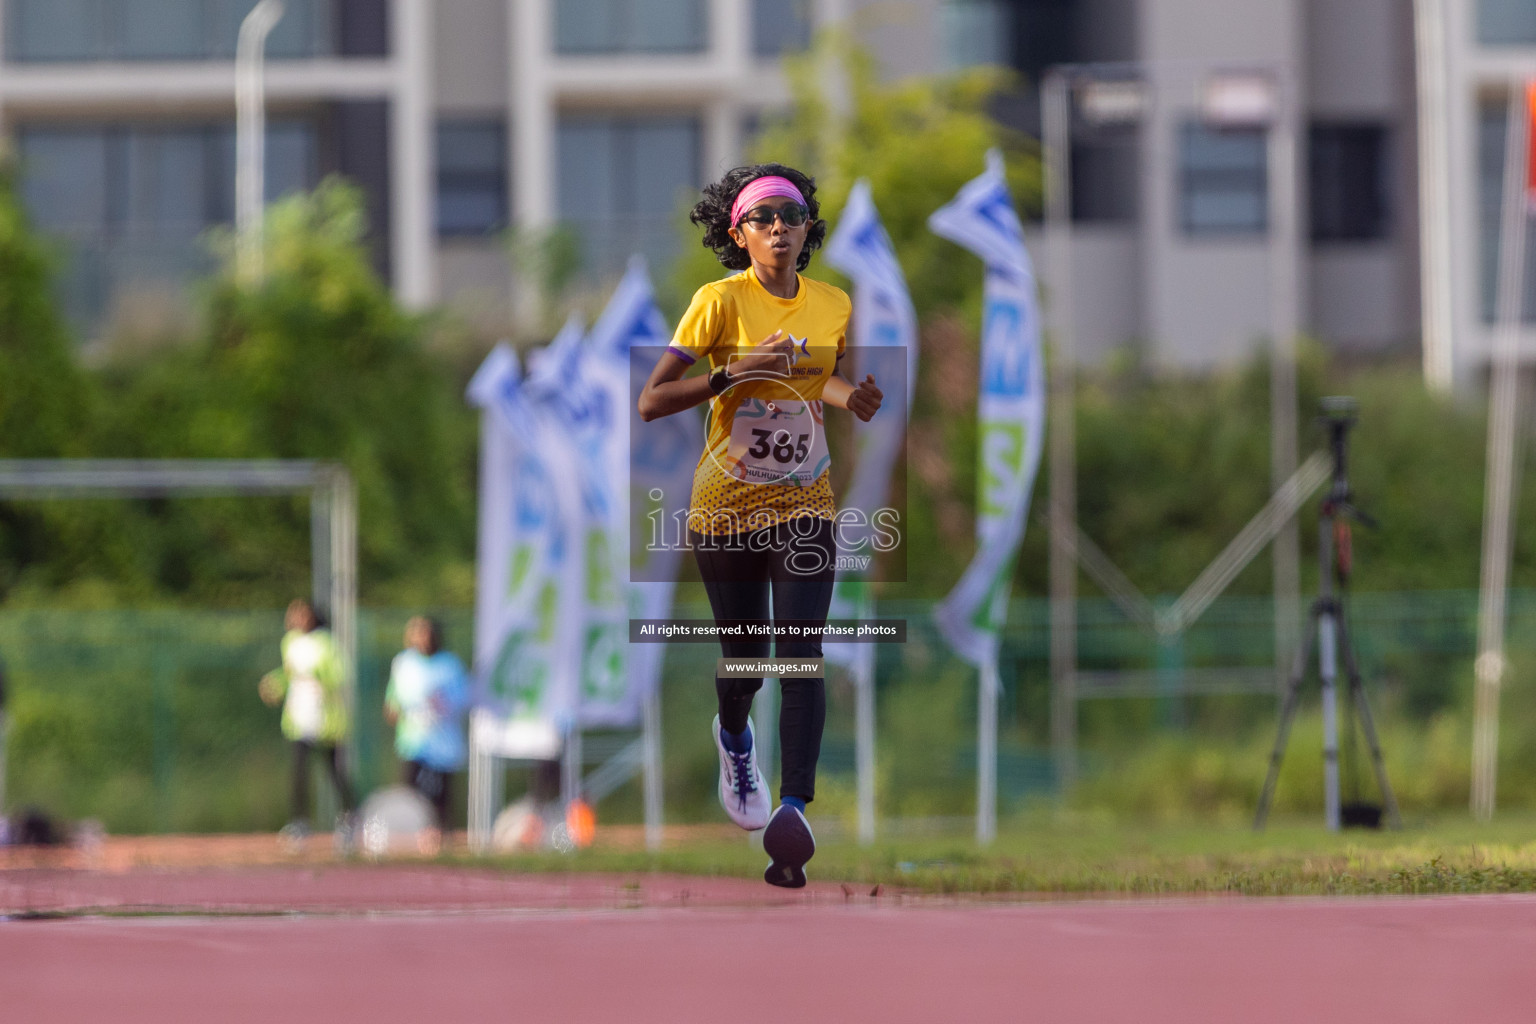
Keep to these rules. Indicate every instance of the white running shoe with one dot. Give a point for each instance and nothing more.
(743, 793)
(789, 843)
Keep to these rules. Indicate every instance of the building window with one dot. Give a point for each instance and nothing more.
(144, 179)
(128, 202)
(52, 30)
(128, 30)
(975, 32)
(1491, 129)
(471, 177)
(1506, 22)
(1348, 187)
(362, 28)
(624, 183)
(630, 26)
(753, 124)
(780, 27)
(161, 30)
(1223, 181)
(1106, 179)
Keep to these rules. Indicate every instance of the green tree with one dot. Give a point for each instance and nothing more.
(45, 401)
(47, 410)
(314, 361)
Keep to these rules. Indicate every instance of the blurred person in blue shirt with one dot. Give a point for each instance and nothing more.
(427, 697)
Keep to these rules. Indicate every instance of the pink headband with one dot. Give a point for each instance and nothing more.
(759, 189)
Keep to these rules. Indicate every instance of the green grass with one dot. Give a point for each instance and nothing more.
(1070, 855)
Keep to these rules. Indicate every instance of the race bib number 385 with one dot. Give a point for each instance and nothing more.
(777, 442)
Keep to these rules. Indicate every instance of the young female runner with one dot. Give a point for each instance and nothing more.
(760, 521)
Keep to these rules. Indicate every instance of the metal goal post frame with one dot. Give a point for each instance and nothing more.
(333, 519)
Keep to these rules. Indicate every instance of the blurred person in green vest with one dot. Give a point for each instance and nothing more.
(311, 688)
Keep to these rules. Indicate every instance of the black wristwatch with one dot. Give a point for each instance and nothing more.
(719, 380)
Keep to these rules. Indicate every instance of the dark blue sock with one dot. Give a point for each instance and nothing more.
(736, 742)
(793, 801)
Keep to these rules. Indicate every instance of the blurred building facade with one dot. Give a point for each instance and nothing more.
(462, 119)
(1175, 253)
(121, 113)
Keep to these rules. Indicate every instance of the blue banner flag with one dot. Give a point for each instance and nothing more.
(1010, 409)
(885, 328)
(650, 472)
(525, 677)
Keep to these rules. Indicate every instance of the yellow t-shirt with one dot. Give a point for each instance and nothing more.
(765, 457)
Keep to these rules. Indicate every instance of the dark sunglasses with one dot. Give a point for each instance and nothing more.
(792, 214)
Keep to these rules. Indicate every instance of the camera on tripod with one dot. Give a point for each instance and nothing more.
(1328, 636)
(1341, 409)
(1339, 414)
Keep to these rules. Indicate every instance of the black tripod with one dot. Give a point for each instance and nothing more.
(1328, 629)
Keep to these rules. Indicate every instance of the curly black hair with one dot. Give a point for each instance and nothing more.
(714, 213)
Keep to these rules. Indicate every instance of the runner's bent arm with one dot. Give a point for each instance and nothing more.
(862, 400)
(666, 392)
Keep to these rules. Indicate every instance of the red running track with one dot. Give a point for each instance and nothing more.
(1442, 959)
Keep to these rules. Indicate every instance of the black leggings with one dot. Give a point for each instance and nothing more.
(431, 784)
(792, 566)
(332, 758)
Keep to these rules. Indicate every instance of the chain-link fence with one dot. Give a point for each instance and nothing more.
(150, 721)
